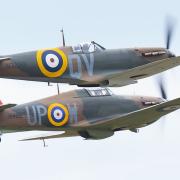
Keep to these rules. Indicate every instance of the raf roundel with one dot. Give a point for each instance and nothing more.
(58, 114)
(52, 62)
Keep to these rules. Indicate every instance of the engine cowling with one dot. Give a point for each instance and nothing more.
(96, 134)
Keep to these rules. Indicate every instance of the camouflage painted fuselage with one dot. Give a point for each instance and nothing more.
(78, 111)
(83, 69)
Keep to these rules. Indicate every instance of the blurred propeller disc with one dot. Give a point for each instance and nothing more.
(170, 25)
(163, 93)
(162, 89)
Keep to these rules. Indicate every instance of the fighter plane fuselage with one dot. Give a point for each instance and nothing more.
(63, 65)
(75, 110)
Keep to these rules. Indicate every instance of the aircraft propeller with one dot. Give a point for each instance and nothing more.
(163, 94)
(170, 25)
(162, 89)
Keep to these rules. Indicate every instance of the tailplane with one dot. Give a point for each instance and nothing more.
(6, 106)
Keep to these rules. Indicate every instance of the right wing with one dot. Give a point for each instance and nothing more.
(143, 116)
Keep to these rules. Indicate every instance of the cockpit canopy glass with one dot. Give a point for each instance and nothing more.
(88, 47)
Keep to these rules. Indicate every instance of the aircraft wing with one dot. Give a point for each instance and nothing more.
(130, 76)
(144, 116)
(53, 136)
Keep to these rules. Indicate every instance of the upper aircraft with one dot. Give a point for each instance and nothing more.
(89, 64)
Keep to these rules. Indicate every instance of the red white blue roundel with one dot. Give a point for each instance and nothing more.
(52, 62)
(58, 114)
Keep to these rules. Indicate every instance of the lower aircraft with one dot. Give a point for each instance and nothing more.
(89, 113)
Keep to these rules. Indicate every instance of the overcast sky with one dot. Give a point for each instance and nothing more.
(154, 153)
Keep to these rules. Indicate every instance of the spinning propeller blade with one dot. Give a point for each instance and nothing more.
(162, 88)
(170, 25)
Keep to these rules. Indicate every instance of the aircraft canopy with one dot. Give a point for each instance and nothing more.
(87, 47)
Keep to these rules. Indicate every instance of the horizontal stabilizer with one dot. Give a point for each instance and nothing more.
(6, 106)
(4, 58)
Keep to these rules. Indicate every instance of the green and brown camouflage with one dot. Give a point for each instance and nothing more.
(87, 64)
(90, 113)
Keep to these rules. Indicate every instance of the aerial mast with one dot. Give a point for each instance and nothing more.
(63, 38)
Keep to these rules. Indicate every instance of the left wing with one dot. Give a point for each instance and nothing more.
(53, 136)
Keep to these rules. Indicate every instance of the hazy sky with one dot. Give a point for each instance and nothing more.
(154, 153)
